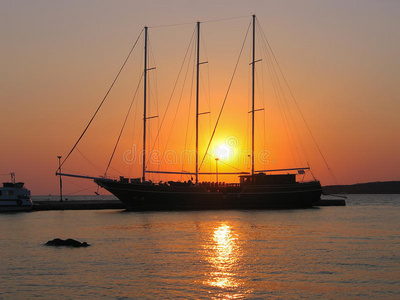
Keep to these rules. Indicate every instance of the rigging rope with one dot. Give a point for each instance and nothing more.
(123, 126)
(225, 163)
(173, 91)
(101, 103)
(226, 96)
(190, 109)
(89, 161)
(82, 187)
(283, 103)
(298, 107)
(177, 109)
(187, 23)
(225, 19)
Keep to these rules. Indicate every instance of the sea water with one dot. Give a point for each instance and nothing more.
(350, 252)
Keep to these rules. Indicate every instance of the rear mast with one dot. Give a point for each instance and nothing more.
(197, 101)
(144, 104)
(252, 95)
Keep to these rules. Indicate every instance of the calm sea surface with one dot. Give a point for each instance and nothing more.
(348, 252)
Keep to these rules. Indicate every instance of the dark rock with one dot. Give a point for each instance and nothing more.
(68, 242)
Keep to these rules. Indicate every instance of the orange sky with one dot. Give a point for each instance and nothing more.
(59, 58)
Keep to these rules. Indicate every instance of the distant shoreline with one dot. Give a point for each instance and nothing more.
(383, 187)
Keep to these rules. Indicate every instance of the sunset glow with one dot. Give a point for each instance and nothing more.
(213, 149)
(347, 96)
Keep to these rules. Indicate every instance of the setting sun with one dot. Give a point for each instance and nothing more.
(223, 152)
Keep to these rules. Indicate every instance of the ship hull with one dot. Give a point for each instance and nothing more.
(142, 197)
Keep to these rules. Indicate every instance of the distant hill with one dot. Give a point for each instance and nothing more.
(386, 187)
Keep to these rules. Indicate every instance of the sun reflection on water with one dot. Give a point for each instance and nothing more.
(224, 254)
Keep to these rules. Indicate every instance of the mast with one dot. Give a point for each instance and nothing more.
(252, 95)
(59, 168)
(197, 102)
(144, 104)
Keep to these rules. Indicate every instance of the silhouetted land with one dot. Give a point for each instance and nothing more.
(386, 187)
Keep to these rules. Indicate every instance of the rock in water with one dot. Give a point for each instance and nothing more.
(67, 242)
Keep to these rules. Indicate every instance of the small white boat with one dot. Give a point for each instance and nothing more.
(14, 196)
